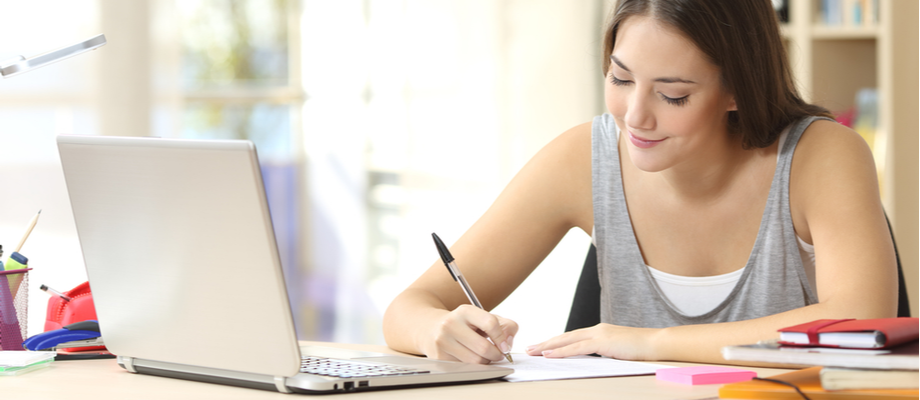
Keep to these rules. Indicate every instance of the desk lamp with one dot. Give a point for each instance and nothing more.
(21, 64)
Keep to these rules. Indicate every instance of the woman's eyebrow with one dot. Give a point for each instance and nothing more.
(667, 79)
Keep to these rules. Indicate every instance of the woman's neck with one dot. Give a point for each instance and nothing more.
(708, 176)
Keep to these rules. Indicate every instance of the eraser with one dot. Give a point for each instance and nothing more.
(704, 375)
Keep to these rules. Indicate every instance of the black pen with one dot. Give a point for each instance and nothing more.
(455, 273)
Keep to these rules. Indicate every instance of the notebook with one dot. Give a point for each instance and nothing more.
(186, 277)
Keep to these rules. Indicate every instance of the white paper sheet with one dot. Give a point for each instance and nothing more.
(18, 359)
(536, 368)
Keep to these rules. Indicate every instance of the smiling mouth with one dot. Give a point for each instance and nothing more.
(643, 143)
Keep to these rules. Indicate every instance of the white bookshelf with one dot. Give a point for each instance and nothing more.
(832, 63)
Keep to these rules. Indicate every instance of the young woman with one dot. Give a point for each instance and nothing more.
(723, 207)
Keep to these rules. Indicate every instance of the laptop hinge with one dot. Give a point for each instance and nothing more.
(127, 363)
(279, 384)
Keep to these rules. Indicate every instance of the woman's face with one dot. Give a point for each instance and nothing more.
(665, 95)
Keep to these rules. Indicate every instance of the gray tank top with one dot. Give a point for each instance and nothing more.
(773, 280)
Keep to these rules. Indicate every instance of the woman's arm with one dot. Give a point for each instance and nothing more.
(835, 204)
(549, 196)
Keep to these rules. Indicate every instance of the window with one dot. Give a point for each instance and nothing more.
(376, 122)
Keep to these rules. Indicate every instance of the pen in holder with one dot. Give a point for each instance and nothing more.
(14, 303)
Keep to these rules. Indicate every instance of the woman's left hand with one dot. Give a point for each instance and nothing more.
(620, 342)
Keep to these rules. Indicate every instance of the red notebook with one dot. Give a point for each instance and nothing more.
(852, 333)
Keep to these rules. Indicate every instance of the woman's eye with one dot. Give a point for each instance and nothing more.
(618, 82)
(680, 101)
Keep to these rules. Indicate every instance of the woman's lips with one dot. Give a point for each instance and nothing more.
(643, 143)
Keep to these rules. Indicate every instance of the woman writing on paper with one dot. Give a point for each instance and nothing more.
(723, 207)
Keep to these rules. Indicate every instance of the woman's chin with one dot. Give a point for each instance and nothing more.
(649, 161)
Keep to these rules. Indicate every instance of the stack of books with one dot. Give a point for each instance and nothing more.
(848, 12)
(869, 358)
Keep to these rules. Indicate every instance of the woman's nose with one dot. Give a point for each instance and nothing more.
(639, 112)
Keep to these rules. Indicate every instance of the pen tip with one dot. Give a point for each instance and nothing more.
(442, 249)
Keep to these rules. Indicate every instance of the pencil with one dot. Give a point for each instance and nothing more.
(28, 231)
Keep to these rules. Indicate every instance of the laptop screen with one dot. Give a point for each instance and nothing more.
(180, 252)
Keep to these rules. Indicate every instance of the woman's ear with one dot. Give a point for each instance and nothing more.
(732, 106)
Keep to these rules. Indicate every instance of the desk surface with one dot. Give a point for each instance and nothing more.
(104, 379)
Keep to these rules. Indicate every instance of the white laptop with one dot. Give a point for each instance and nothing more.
(186, 277)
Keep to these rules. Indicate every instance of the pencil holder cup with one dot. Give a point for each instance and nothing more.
(14, 307)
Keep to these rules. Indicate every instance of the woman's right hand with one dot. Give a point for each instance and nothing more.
(464, 334)
(548, 197)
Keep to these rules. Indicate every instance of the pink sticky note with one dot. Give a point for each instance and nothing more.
(704, 375)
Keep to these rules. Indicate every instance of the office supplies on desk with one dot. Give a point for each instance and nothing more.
(904, 356)
(704, 375)
(28, 232)
(876, 333)
(82, 335)
(16, 261)
(20, 362)
(72, 354)
(78, 354)
(833, 378)
(448, 260)
(204, 202)
(809, 383)
(529, 368)
(14, 306)
(61, 312)
(53, 292)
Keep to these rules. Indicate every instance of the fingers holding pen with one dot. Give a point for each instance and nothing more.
(450, 348)
(470, 325)
(499, 330)
(455, 338)
(465, 333)
(486, 334)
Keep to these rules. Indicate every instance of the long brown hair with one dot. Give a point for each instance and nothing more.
(742, 38)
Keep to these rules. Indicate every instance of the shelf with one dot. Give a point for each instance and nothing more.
(825, 32)
(844, 32)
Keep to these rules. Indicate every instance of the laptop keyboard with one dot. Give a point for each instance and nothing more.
(352, 369)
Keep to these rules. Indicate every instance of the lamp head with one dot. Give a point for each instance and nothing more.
(21, 64)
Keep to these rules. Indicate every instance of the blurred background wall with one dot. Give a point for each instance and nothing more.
(377, 122)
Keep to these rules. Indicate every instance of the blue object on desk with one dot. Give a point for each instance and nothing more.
(83, 330)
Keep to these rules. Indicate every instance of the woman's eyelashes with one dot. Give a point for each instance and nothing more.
(618, 82)
(679, 101)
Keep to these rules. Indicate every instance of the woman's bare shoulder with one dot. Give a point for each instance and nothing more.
(829, 147)
(567, 157)
(577, 139)
(833, 174)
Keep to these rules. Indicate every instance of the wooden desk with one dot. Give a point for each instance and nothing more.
(104, 379)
